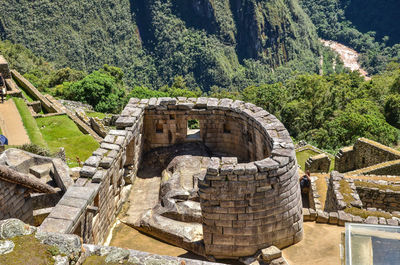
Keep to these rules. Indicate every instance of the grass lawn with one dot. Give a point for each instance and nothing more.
(60, 131)
(302, 157)
(98, 115)
(29, 123)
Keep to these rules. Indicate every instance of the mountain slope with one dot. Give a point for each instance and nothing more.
(210, 43)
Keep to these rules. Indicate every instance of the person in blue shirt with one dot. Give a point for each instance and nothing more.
(305, 182)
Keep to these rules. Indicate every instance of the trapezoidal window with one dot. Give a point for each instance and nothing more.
(159, 127)
(227, 128)
(193, 129)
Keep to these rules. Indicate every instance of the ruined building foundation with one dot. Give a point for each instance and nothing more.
(246, 206)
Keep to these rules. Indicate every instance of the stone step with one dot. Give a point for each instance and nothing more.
(41, 171)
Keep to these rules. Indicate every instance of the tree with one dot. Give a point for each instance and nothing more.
(99, 90)
(392, 110)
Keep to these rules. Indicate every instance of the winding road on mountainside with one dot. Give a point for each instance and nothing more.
(347, 55)
(11, 124)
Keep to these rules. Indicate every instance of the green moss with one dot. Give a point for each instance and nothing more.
(346, 191)
(60, 131)
(28, 251)
(364, 213)
(373, 185)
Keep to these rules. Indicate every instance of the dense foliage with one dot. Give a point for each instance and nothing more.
(228, 44)
(368, 26)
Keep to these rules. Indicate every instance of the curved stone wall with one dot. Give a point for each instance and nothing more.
(246, 206)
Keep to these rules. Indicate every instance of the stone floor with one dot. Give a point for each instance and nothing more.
(320, 245)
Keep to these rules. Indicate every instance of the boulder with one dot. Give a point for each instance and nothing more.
(67, 244)
(81, 114)
(6, 246)
(13, 227)
(98, 126)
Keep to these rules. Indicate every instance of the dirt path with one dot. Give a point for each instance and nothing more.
(11, 124)
(143, 197)
(348, 56)
(320, 246)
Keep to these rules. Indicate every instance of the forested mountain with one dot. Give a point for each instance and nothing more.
(224, 43)
(369, 26)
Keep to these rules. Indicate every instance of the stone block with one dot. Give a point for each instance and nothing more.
(123, 122)
(343, 218)
(373, 220)
(65, 212)
(392, 222)
(271, 253)
(98, 176)
(80, 193)
(333, 218)
(322, 217)
(87, 171)
(106, 162)
(212, 103)
(251, 168)
(239, 169)
(92, 161)
(382, 221)
(357, 219)
(56, 225)
(266, 164)
(213, 166)
(306, 215)
(110, 146)
(42, 170)
(313, 214)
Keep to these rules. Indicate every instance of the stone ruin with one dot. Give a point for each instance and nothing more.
(248, 192)
(369, 158)
(31, 185)
(318, 164)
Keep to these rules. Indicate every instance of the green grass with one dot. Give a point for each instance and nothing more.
(60, 131)
(302, 157)
(97, 115)
(29, 123)
(27, 96)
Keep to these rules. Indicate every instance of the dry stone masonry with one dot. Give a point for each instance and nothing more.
(364, 153)
(246, 206)
(318, 164)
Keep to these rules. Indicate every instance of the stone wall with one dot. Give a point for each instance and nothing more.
(335, 200)
(222, 130)
(391, 168)
(364, 153)
(22, 82)
(4, 70)
(345, 160)
(245, 206)
(375, 197)
(318, 164)
(15, 202)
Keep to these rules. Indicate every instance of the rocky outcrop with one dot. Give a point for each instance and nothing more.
(67, 249)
